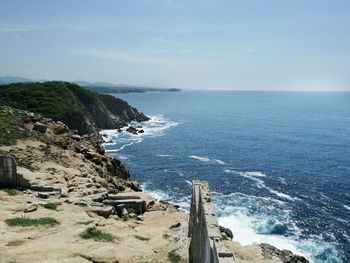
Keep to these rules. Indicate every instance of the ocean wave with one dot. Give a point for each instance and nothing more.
(116, 141)
(203, 159)
(164, 155)
(346, 207)
(206, 159)
(255, 176)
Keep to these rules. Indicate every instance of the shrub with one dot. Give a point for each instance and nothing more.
(52, 206)
(25, 222)
(10, 191)
(173, 256)
(142, 238)
(86, 222)
(97, 235)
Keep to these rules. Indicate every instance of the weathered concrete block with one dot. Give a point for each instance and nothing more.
(8, 172)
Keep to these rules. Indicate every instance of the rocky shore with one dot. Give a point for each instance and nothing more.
(75, 203)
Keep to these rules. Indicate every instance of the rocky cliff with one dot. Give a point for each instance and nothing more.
(79, 108)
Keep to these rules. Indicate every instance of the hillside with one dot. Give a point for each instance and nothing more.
(79, 108)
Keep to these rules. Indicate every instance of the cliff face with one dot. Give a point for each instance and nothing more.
(79, 108)
(45, 148)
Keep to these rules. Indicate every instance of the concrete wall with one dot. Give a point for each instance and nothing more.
(206, 245)
(8, 172)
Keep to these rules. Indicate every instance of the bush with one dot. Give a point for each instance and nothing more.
(52, 206)
(173, 256)
(86, 222)
(10, 191)
(25, 222)
(97, 235)
(142, 238)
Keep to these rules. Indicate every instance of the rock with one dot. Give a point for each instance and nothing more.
(60, 128)
(8, 171)
(132, 215)
(30, 208)
(43, 195)
(286, 256)
(122, 197)
(100, 197)
(80, 202)
(40, 127)
(140, 217)
(124, 212)
(141, 131)
(131, 211)
(135, 186)
(132, 130)
(104, 211)
(227, 231)
(76, 137)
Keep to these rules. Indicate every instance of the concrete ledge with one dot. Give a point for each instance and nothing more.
(206, 245)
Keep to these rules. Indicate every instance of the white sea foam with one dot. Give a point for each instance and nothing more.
(164, 155)
(157, 194)
(261, 184)
(189, 183)
(219, 161)
(200, 158)
(347, 207)
(243, 231)
(154, 127)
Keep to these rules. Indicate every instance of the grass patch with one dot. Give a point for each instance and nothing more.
(173, 256)
(142, 238)
(52, 206)
(175, 225)
(97, 235)
(224, 237)
(9, 131)
(25, 222)
(86, 222)
(10, 191)
(125, 218)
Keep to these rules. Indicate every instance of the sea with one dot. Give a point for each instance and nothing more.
(278, 163)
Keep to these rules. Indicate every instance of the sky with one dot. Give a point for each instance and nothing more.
(204, 45)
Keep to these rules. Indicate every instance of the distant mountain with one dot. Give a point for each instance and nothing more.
(104, 87)
(100, 87)
(13, 79)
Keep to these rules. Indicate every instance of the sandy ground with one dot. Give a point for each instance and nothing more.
(62, 243)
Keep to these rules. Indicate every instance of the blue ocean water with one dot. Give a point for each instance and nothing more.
(278, 163)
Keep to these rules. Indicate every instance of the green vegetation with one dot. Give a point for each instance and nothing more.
(86, 222)
(25, 222)
(77, 107)
(174, 226)
(9, 128)
(174, 257)
(10, 191)
(125, 218)
(52, 206)
(142, 238)
(97, 235)
(224, 237)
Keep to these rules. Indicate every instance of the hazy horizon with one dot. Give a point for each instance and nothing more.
(191, 45)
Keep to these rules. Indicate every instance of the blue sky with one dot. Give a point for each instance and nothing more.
(207, 44)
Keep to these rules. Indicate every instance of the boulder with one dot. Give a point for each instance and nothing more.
(141, 131)
(104, 211)
(43, 195)
(227, 231)
(76, 137)
(30, 208)
(132, 130)
(40, 127)
(60, 128)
